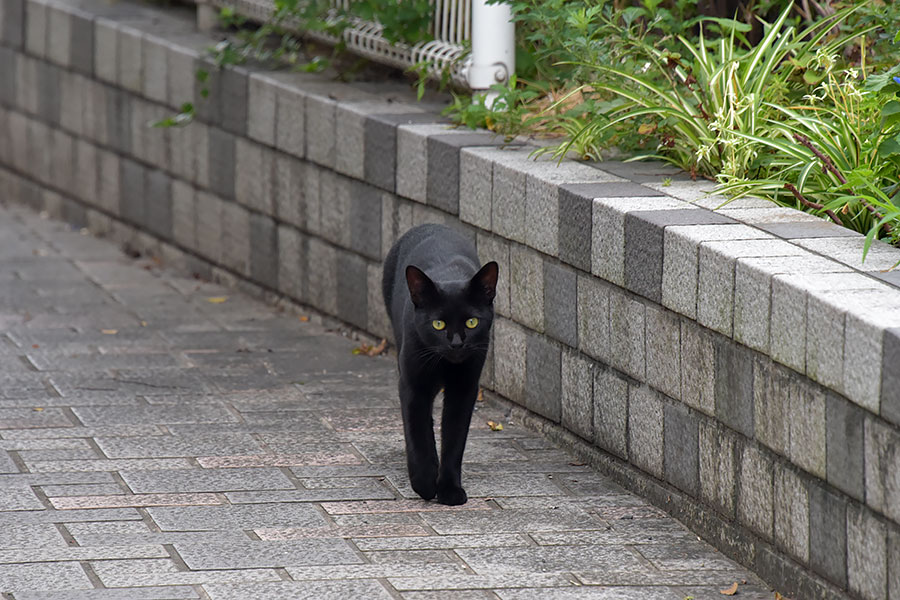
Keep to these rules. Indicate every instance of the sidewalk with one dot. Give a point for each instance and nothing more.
(166, 438)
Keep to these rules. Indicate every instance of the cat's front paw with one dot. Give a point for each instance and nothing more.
(424, 486)
(452, 496)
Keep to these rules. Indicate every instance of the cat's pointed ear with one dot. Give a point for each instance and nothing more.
(483, 285)
(422, 290)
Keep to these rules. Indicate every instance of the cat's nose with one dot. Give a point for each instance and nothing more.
(456, 342)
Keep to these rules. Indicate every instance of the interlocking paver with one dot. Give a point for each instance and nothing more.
(230, 451)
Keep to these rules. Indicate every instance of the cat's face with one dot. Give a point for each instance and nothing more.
(453, 319)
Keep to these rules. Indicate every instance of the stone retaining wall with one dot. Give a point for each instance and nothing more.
(743, 361)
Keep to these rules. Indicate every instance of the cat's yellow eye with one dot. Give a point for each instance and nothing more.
(438, 324)
(472, 323)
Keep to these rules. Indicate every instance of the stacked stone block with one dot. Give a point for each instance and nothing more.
(740, 357)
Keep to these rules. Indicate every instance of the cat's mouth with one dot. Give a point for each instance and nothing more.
(456, 355)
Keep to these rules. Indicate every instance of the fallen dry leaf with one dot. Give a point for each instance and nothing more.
(217, 299)
(35, 346)
(480, 397)
(730, 591)
(143, 323)
(38, 409)
(495, 426)
(371, 350)
(109, 331)
(303, 318)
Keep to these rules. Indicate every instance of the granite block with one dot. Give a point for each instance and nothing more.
(94, 114)
(108, 182)
(652, 173)
(893, 553)
(663, 342)
(322, 275)
(221, 149)
(543, 381)
(508, 194)
(734, 386)
(264, 250)
(182, 60)
(352, 286)
(131, 192)
(261, 111)
(291, 262)
(526, 287)
(755, 502)
(207, 92)
(717, 466)
(845, 447)
(236, 238)
(336, 195)
(379, 323)
(575, 223)
(791, 513)
(866, 554)
(288, 189)
(12, 23)
(321, 130)
(154, 79)
(608, 232)
(681, 460)
(129, 64)
(106, 54)
(86, 171)
(869, 314)
(849, 251)
(577, 394)
(26, 84)
(290, 121)
(233, 99)
(253, 165)
(560, 303)
(828, 534)
(807, 427)
(8, 60)
(48, 87)
(380, 144)
(158, 203)
(772, 389)
(59, 35)
(73, 88)
(807, 229)
(119, 125)
(495, 248)
(645, 430)
(476, 177)
(184, 215)
(365, 220)
(36, 28)
(209, 226)
(626, 334)
(148, 143)
(61, 152)
(890, 375)
(81, 42)
(350, 134)
(510, 365)
(39, 161)
(412, 159)
(443, 171)
(593, 317)
(882, 468)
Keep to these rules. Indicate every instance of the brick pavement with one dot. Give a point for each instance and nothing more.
(164, 438)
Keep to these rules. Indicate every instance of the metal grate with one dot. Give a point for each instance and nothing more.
(451, 28)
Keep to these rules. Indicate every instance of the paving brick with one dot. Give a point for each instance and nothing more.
(380, 144)
(663, 342)
(291, 261)
(288, 189)
(261, 113)
(320, 116)
(608, 231)
(807, 229)
(443, 174)
(526, 277)
(322, 274)
(893, 553)
(59, 35)
(12, 23)
(543, 380)
(792, 523)
(577, 396)
(48, 104)
(508, 193)
(149, 593)
(681, 448)
(158, 203)
(49, 577)
(734, 386)
(154, 52)
(807, 427)
(828, 534)
(772, 389)
(129, 64)
(298, 590)
(844, 450)
(626, 340)
(352, 283)
(365, 219)
(866, 554)
(36, 28)
(260, 554)
(131, 189)
(593, 317)
(560, 303)
(717, 466)
(755, 502)
(510, 359)
(645, 430)
(209, 225)
(890, 376)
(849, 251)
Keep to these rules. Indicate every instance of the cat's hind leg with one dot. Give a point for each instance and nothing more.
(418, 429)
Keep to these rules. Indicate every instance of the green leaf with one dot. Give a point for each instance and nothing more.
(724, 24)
(889, 147)
(890, 114)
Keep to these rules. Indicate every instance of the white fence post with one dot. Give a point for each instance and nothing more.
(493, 47)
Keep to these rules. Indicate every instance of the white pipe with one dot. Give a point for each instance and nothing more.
(493, 45)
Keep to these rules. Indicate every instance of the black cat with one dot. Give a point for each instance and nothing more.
(441, 308)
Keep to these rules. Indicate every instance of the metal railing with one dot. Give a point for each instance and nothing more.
(488, 27)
